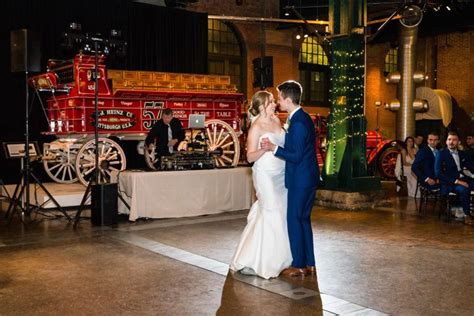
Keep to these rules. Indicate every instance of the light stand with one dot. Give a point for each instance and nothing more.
(107, 45)
(21, 195)
(95, 176)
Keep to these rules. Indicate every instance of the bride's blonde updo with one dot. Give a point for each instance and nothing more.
(259, 99)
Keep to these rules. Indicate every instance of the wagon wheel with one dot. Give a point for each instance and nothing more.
(150, 156)
(387, 162)
(111, 158)
(224, 142)
(58, 162)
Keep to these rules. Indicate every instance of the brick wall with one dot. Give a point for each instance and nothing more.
(455, 75)
(448, 61)
(281, 44)
(270, 8)
(378, 90)
(454, 60)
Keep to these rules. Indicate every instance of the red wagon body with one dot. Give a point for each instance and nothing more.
(129, 103)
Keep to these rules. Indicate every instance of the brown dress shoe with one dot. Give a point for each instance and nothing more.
(468, 220)
(310, 270)
(293, 272)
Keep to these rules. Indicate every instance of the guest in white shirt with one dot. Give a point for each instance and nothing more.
(449, 168)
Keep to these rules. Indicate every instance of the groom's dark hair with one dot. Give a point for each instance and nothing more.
(291, 89)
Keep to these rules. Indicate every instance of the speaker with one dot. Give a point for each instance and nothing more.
(25, 53)
(104, 208)
(263, 72)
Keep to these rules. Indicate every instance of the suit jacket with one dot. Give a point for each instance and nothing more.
(159, 131)
(470, 155)
(447, 170)
(423, 166)
(301, 169)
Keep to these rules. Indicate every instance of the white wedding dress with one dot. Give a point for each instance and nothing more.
(264, 245)
(411, 178)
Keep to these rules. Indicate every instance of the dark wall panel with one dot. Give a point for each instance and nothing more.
(159, 38)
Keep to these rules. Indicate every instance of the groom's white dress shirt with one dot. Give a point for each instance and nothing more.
(293, 112)
(288, 119)
(170, 137)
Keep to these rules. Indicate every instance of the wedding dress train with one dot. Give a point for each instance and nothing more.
(264, 245)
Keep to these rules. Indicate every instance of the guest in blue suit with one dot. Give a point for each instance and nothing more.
(470, 147)
(449, 166)
(423, 166)
(419, 141)
(301, 177)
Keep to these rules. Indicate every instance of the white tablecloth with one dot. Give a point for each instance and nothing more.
(166, 194)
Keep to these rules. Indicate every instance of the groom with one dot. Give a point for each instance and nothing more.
(301, 177)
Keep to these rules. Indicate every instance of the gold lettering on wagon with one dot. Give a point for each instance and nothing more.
(114, 119)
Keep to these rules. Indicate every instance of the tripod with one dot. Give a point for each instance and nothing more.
(21, 195)
(95, 176)
(106, 45)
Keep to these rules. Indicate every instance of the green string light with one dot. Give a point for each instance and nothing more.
(346, 99)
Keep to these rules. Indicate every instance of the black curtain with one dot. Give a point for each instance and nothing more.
(158, 42)
(159, 39)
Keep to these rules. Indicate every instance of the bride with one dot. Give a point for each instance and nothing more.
(264, 247)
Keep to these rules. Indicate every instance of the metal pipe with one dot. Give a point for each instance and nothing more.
(255, 19)
(291, 21)
(406, 86)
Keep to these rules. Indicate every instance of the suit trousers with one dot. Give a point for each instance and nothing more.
(300, 204)
(464, 194)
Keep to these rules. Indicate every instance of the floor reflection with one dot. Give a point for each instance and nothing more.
(243, 294)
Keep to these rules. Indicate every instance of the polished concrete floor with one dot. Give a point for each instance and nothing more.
(387, 260)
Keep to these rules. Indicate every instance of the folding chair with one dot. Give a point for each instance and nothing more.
(425, 195)
(472, 202)
(450, 199)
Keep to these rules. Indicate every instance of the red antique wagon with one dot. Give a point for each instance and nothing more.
(129, 103)
(381, 153)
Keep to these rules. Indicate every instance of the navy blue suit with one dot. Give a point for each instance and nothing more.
(447, 172)
(301, 179)
(470, 155)
(423, 167)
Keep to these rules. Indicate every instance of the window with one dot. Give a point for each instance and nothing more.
(312, 53)
(224, 52)
(314, 73)
(391, 61)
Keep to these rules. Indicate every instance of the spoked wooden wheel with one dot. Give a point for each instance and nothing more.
(58, 161)
(387, 162)
(223, 142)
(150, 156)
(111, 158)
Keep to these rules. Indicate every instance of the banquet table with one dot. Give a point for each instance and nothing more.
(170, 194)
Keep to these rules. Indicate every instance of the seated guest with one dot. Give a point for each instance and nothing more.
(408, 156)
(423, 165)
(418, 141)
(470, 147)
(449, 166)
(168, 133)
